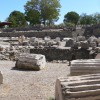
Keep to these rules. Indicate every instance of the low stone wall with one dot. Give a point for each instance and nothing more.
(62, 54)
(53, 54)
(93, 30)
(40, 34)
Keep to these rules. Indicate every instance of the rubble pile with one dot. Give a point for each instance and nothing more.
(80, 49)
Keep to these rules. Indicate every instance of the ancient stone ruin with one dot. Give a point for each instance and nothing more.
(86, 87)
(87, 66)
(31, 61)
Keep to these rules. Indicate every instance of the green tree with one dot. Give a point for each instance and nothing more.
(96, 18)
(86, 19)
(71, 17)
(33, 17)
(17, 18)
(48, 10)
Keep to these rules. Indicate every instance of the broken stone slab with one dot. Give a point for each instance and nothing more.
(1, 78)
(84, 87)
(31, 61)
(82, 67)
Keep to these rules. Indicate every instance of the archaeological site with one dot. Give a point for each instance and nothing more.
(50, 50)
(49, 64)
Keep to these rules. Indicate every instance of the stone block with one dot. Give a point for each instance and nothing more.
(84, 87)
(31, 61)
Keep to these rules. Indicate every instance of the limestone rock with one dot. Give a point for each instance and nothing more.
(31, 61)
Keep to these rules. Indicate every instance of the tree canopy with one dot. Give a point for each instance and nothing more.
(71, 17)
(17, 18)
(86, 19)
(96, 18)
(47, 10)
(33, 16)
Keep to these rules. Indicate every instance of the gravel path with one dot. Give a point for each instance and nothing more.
(30, 85)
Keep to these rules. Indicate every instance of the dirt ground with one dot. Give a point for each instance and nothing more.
(30, 85)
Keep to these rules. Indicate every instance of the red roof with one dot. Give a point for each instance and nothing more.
(5, 23)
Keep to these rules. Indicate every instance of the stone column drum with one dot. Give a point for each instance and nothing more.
(85, 87)
(87, 66)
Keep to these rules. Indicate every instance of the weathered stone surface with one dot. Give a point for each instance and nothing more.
(92, 39)
(84, 44)
(57, 39)
(89, 66)
(69, 42)
(81, 38)
(85, 87)
(1, 78)
(93, 44)
(31, 61)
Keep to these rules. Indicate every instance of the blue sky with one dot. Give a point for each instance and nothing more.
(79, 6)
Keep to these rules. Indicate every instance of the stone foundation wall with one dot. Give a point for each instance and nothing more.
(93, 30)
(62, 54)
